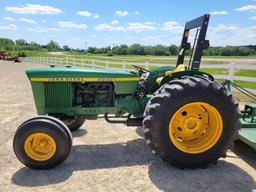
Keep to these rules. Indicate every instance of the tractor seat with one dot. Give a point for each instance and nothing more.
(167, 73)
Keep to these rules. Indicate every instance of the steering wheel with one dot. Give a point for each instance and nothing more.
(140, 69)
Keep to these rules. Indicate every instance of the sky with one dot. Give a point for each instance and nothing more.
(81, 23)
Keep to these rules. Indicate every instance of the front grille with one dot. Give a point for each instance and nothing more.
(58, 95)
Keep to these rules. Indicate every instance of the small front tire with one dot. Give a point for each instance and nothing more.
(42, 143)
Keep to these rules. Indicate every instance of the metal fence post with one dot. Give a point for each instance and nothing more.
(231, 72)
(93, 63)
(123, 64)
(146, 65)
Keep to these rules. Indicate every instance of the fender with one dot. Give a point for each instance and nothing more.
(179, 74)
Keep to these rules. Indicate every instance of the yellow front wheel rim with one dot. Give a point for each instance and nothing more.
(196, 127)
(40, 146)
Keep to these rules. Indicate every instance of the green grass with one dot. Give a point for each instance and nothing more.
(246, 73)
(30, 53)
(232, 57)
(246, 84)
(215, 71)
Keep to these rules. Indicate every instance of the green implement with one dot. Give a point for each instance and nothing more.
(247, 133)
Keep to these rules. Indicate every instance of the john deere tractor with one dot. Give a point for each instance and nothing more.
(188, 118)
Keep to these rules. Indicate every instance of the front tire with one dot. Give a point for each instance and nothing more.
(190, 122)
(42, 142)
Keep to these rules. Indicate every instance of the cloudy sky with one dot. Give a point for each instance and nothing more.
(107, 22)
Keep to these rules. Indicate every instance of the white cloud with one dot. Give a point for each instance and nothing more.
(224, 28)
(152, 38)
(253, 18)
(43, 29)
(106, 27)
(172, 26)
(34, 9)
(28, 20)
(115, 22)
(122, 13)
(231, 35)
(70, 24)
(9, 18)
(96, 16)
(247, 8)
(88, 14)
(128, 37)
(139, 27)
(219, 13)
(136, 13)
(84, 13)
(149, 23)
(9, 27)
(44, 21)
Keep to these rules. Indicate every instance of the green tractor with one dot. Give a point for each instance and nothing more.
(188, 118)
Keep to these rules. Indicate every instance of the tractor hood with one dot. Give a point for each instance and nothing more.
(70, 73)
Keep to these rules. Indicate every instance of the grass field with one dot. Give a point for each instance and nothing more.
(215, 71)
(246, 84)
(246, 73)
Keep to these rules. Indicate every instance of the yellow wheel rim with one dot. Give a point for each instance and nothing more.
(196, 127)
(40, 146)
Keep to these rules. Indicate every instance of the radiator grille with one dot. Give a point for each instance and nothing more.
(58, 95)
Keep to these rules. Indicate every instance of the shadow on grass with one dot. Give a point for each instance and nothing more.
(222, 177)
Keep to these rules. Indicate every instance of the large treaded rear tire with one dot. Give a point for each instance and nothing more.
(170, 98)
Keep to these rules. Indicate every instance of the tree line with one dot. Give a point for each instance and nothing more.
(21, 47)
(172, 50)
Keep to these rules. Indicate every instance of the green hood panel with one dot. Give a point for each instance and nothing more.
(125, 82)
(76, 72)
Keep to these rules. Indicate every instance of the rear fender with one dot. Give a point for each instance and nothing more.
(178, 75)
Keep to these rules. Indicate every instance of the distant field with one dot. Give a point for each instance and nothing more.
(246, 73)
(246, 84)
(215, 71)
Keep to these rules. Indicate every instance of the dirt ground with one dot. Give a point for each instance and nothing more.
(106, 157)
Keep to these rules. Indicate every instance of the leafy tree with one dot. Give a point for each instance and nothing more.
(21, 42)
(66, 48)
(136, 49)
(53, 46)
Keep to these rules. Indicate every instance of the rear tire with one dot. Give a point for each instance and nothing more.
(163, 121)
(42, 142)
